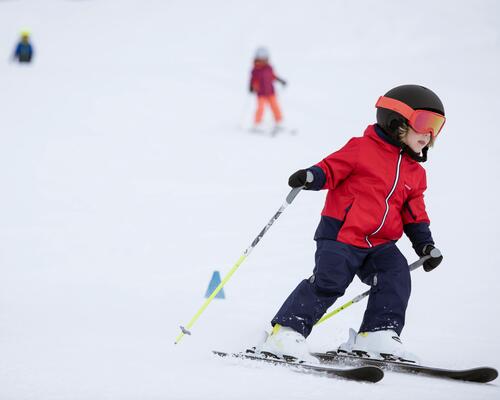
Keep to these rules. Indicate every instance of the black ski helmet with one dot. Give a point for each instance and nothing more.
(417, 97)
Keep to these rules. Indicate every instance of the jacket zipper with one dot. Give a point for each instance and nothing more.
(396, 179)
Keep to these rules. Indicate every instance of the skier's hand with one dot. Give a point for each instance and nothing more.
(282, 81)
(436, 257)
(300, 178)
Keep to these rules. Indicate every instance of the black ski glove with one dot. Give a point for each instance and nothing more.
(300, 178)
(282, 81)
(435, 259)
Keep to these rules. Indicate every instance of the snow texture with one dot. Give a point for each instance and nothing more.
(128, 176)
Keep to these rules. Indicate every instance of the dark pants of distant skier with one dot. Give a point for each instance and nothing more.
(382, 267)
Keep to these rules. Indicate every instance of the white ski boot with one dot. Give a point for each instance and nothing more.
(347, 346)
(284, 342)
(385, 344)
(277, 129)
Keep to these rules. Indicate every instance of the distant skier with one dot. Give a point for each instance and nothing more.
(262, 83)
(375, 192)
(24, 49)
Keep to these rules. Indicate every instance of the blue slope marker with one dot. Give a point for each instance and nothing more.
(214, 282)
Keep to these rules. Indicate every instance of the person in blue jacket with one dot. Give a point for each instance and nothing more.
(24, 50)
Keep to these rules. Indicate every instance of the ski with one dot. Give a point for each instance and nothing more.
(480, 374)
(273, 131)
(359, 373)
(281, 129)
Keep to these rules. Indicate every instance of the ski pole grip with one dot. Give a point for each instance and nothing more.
(419, 262)
(293, 193)
(435, 253)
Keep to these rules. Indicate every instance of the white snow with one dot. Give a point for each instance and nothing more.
(126, 180)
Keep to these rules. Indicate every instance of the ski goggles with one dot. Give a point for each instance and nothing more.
(422, 121)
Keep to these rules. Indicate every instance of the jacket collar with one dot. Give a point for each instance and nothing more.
(377, 133)
(384, 136)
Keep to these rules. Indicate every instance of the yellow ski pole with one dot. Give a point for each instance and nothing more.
(186, 330)
(415, 265)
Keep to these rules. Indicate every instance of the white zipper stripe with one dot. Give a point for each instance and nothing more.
(387, 201)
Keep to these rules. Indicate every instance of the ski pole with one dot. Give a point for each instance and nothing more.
(186, 330)
(415, 265)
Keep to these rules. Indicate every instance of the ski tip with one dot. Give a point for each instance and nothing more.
(484, 375)
(379, 375)
(368, 374)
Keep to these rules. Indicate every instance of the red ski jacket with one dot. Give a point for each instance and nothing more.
(375, 190)
(262, 79)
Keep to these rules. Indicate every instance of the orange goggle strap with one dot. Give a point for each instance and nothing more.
(395, 105)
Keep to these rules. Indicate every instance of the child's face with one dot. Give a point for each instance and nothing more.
(416, 141)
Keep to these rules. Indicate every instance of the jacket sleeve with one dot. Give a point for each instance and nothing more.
(415, 219)
(332, 170)
(253, 86)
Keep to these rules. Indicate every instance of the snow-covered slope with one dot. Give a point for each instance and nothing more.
(127, 179)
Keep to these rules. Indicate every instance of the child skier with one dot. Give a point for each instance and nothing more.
(375, 192)
(261, 83)
(24, 50)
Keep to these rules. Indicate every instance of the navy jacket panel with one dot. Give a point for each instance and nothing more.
(419, 235)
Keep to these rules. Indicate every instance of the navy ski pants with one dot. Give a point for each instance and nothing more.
(383, 267)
